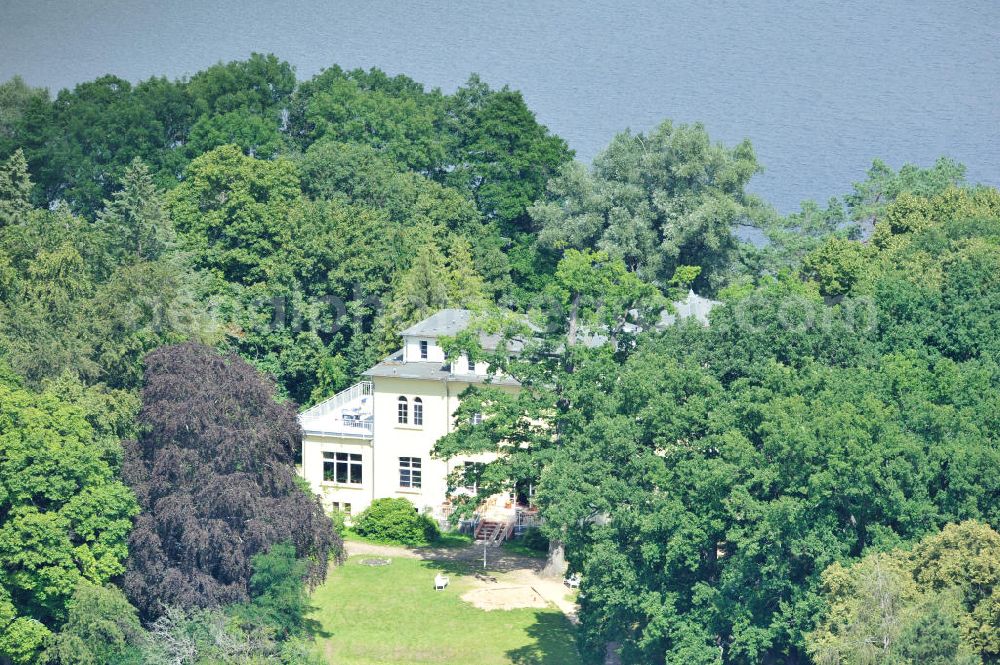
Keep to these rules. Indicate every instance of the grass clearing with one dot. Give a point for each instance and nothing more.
(517, 546)
(453, 539)
(448, 539)
(391, 615)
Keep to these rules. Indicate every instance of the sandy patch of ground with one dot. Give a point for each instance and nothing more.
(512, 571)
(554, 591)
(504, 598)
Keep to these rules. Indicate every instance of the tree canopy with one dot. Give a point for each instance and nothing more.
(214, 474)
(659, 201)
(64, 514)
(704, 477)
(809, 477)
(936, 603)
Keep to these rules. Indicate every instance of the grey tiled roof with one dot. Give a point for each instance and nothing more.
(393, 366)
(453, 321)
(442, 322)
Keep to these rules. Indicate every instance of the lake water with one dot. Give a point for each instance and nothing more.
(820, 87)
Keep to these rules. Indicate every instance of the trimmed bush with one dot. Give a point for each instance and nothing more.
(396, 521)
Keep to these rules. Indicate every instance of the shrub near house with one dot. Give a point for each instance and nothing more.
(396, 521)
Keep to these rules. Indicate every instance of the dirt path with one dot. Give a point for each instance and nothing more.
(510, 569)
(497, 559)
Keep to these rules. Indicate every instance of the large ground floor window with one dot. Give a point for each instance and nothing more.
(342, 468)
(409, 472)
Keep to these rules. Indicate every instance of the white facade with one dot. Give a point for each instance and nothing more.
(374, 440)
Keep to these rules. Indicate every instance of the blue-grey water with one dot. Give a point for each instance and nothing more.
(821, 86)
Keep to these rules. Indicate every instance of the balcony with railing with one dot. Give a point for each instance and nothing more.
(349, 413)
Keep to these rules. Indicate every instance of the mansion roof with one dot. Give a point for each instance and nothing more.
(393, 366)
(450, 322)
(442, 322)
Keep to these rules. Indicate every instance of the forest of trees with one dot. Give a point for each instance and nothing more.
(811, 478)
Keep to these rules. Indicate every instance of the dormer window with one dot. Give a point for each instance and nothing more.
(470, 364)
(423, 349)
(402, 411)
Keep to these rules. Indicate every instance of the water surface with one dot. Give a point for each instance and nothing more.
(820, 87)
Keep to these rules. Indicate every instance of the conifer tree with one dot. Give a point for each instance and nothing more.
(465, 286)
(15, 189)
(422, 289)
(134, 222)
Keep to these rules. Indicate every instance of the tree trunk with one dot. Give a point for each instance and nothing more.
(574, 312)
(555, 564)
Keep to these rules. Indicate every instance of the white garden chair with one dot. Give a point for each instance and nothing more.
(440, 582)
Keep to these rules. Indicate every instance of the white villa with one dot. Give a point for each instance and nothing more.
(374, 439)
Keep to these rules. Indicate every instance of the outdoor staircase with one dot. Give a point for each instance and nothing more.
(493, 532)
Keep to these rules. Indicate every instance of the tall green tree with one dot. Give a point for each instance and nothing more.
(236, 212)
(258, 136)
(658, 201)
(260, 84)
(134, 222)
(15, 189)
(837, 265)
(414, 203)
(502, 156)
(101, 627)
(394, 115)
(226, 486)
(434, 281)
(16, 98)
(279, 590)
(64, 516)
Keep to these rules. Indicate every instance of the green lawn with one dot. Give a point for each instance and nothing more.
(516, 546)
(447, 539)
(391, 615)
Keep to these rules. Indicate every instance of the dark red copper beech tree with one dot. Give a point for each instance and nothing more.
(214, 474)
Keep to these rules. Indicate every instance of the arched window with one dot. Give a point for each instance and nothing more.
(403, 411)
(418, 411)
